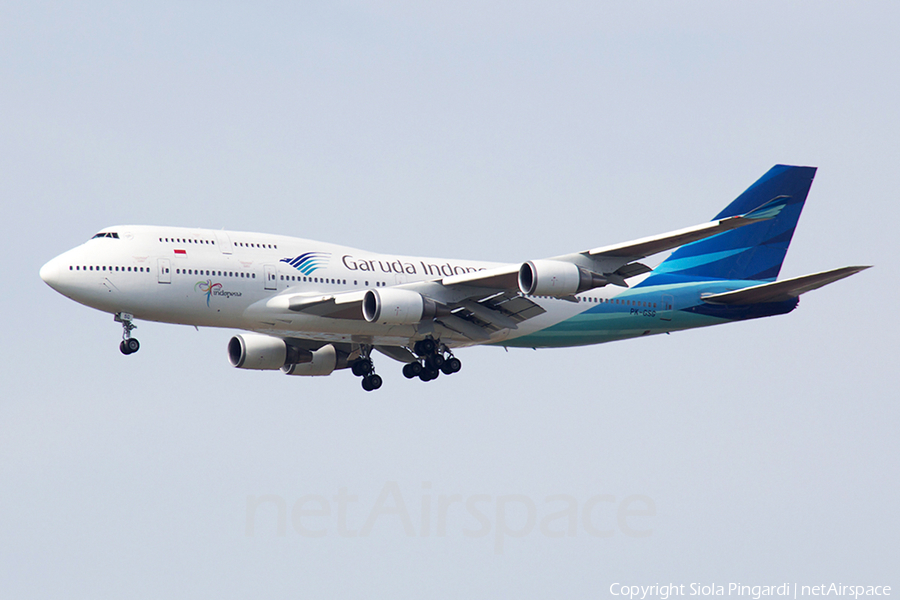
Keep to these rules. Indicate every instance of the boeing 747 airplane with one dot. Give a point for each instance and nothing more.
(311, 308)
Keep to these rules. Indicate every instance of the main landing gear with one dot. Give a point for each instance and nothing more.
(364, 368)
(129, 345)
(432, 361)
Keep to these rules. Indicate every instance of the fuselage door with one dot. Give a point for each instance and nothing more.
(668, 303)
(271, 278)
(165, 275)
(223, 242)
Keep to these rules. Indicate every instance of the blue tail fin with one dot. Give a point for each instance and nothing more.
(755, 251)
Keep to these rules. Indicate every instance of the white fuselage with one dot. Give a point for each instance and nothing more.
(226, 279)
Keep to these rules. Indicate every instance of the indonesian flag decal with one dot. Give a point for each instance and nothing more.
(181, 252)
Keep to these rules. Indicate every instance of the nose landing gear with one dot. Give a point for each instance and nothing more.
(128, 345)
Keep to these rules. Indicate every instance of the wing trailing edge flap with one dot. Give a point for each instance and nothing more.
(478, 318)
(467, 328)
(778, 291)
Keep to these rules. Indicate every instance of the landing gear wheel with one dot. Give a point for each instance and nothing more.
(129, 346)
(412, 369)
(371, 382)
(428, 374)
(451, 366)
(425, 347)
(362, 367)
(434, 361)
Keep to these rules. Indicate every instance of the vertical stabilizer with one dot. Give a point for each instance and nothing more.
(754, 252)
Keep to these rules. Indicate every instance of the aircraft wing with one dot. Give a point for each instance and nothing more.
(660, 243)
(472, 311)
(480, 303)
(778, 291)
(620, 260)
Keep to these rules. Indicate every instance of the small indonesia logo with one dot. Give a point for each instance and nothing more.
(308, 262)
(207, 287)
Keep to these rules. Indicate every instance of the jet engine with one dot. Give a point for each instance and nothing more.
(254, 351)
(557, 278)
(320, 362)
(392, 306)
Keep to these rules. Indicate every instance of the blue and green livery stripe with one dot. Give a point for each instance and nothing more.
(308, 262)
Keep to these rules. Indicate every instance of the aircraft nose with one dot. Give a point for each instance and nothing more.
(50, 273)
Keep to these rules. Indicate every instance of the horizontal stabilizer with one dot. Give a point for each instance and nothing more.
(779, 291)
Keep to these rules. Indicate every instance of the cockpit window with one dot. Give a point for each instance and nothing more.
(106, 234)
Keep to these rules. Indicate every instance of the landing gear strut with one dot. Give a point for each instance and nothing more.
(434, 358)
(364, 368)
(128, 345)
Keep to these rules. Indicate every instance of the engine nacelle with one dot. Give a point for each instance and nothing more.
(557, 278)
(254, 351)
(392, 306)
(321, 362)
